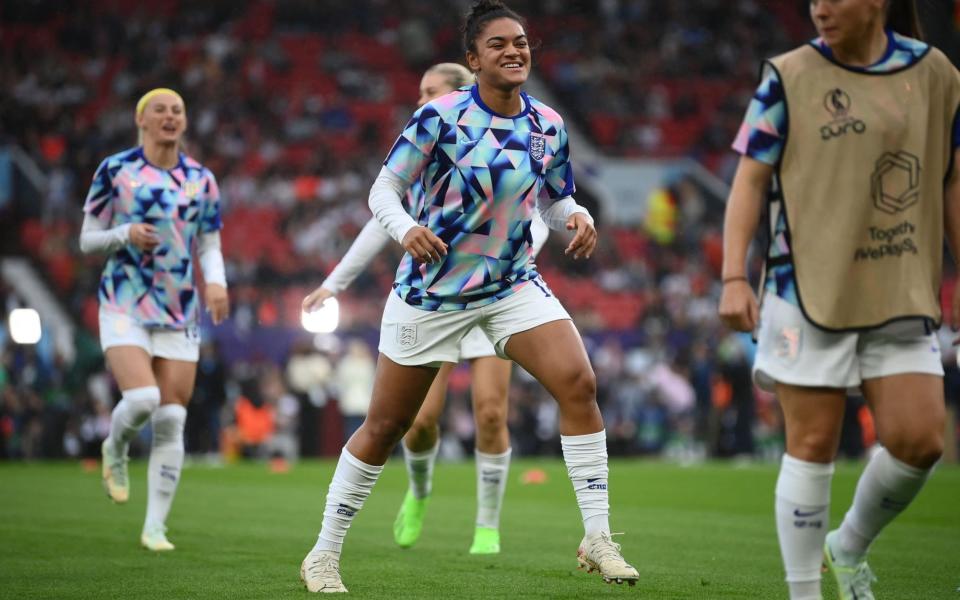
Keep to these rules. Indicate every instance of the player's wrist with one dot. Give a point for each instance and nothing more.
(734, 279)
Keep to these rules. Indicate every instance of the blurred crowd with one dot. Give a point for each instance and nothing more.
(293, 104)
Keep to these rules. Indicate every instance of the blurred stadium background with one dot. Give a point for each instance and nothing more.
(293, 105)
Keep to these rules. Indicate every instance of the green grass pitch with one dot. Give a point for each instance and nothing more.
(241, 532)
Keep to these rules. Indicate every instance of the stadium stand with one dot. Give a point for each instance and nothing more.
(293, 105)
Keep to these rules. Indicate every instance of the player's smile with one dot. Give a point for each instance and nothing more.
(504, 52)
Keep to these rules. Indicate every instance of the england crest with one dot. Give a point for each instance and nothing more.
(537, 146)
(191, 189)
(407, 335)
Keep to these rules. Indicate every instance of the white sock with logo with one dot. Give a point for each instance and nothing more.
(420, 469)
(166, 461)
(885, 489)
(803, 517)
(130, 415)
(586, 459)
(352, 483)
(492, 470)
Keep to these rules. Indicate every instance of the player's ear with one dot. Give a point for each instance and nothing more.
(473, 61)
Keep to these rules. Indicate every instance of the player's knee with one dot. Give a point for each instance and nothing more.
(168, 422)
(581, 386)
(813, 446)
(423, 426)
(491, 414)
(386, 432)
(917, 450)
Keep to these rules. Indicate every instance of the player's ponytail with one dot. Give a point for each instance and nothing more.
(902, 18)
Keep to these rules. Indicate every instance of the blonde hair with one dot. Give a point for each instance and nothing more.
(454, 74)
(146, 98)
(142, 102)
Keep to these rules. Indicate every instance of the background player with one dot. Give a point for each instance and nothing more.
(145, 209)
(837, 311)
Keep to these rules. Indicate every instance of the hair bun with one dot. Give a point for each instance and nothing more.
(482, 12)
(482, 7)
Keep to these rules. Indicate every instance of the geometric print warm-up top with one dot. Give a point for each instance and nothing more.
(156, 288)
(482, 175)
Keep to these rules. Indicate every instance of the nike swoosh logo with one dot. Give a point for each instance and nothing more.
(803, 515)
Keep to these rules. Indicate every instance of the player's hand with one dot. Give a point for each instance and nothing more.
(585, 240)
(218, 303)
(315, 299)
(144, 236)
(738, 306)
(423, 245)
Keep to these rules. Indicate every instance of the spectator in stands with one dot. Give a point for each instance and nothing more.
(354, 382)
(255, 422)
(203, 414)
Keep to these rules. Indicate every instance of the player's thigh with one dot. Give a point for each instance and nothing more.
(529, 307)
(489, 383)
(813, 418)
(127, 348)
(903, 384)
(909, 411)
(176, 379)
(554, 354)
(131, 367)
(436, 399)
(398, 392)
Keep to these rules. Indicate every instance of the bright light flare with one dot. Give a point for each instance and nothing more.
(25, 325)
(324, 320)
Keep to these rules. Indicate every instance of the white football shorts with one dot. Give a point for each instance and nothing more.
(120, 329)
(476, 344)
(792, 350)
(410, 336)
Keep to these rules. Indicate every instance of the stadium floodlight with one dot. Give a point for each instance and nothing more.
(323, 320)
(24, 325)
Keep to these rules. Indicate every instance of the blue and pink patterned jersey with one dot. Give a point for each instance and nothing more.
(763, 136)
(482, 175)
(157, 288)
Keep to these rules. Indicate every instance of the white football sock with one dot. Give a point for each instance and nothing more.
(166, 461)
(352, 483)
(586, 459)
(885, 489)
(803, 517)
(492, 470)
(420, 469)
(130, 415)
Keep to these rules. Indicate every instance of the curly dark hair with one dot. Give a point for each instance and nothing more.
(481, 13)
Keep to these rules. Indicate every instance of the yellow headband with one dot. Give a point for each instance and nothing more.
(142, 104)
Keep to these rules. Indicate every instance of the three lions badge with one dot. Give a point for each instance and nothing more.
(538, 145)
